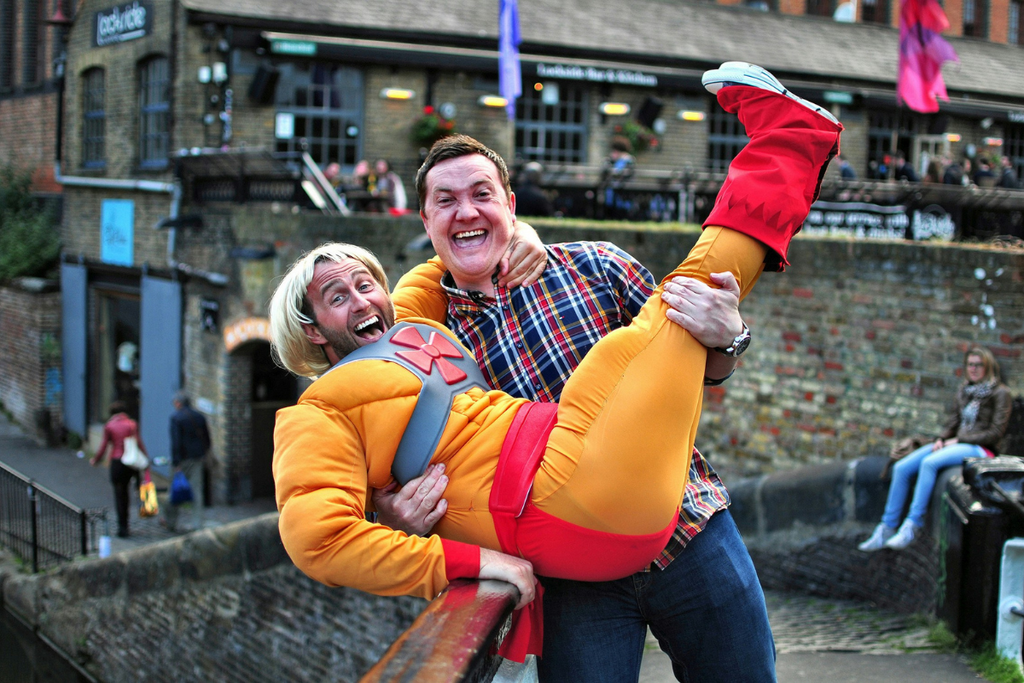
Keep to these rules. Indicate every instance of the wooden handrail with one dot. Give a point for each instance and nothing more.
(451, 640)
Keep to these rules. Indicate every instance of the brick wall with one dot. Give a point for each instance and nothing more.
(30, 147)
(224, 605)
(80, 232)
(30, 359)
(28, 109)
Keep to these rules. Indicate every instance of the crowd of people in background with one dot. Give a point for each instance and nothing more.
(377, 188)
(982, 171)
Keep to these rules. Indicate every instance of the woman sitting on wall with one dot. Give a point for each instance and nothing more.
(977, 421)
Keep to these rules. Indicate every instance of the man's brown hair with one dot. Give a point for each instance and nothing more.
(453, 147)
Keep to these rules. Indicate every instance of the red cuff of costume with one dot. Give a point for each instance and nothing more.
(461, 560)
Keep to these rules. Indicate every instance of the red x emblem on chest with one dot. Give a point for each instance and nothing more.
(426, 354)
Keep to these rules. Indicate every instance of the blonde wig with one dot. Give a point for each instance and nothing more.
(290, 309)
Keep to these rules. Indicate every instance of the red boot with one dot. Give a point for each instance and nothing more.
(774, 179)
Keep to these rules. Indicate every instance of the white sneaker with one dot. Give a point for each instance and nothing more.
(742, 73)
(876, 541)
(904, 537)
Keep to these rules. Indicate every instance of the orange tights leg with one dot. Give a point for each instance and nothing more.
(618, 458)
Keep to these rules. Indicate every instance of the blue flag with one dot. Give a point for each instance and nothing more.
(510, 78)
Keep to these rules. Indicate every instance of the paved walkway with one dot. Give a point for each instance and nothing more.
(838, 641)
(817, 640)
(63, 472)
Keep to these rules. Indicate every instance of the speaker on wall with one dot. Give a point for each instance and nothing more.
(264, 82)
(650, 110)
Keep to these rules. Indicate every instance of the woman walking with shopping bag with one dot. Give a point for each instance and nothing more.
(121, 434)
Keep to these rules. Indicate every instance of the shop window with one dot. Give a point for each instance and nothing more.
(883, 129)
(976, 18)
(726, 138)
(324, 103)
(31, 66)
(1015, 30)
(552, 126)
(875, 12)
(154, 113)
(6, 44)
(821, 8)
(94, 121)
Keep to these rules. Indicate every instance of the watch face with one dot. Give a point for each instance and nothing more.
(741, 346)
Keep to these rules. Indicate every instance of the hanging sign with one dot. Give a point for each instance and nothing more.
(122, 23)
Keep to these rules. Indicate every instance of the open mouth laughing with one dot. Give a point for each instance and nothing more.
(370, 329)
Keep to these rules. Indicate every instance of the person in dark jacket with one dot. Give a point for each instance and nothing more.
(190, 441)
(1008, 178)
(977, 421)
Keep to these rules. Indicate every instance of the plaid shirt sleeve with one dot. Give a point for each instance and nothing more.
(632, 282)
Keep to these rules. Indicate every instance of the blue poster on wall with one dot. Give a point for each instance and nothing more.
(117, 231)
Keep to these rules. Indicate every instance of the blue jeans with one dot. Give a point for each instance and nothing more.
(925, 463)
(706, 609)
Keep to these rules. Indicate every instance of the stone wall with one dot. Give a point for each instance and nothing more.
(225, 604)
(30, 358)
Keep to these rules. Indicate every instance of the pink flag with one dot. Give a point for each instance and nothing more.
(922, 52)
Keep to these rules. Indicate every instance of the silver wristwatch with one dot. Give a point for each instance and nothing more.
(739, 344)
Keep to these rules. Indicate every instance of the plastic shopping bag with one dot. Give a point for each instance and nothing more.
(181, 492)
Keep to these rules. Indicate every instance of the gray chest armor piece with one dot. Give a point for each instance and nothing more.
(443, 367)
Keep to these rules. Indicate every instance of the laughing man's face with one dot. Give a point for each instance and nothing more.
(469, 218)
(351, 308)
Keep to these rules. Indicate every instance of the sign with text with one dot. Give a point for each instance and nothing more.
(862, 220)
(117, 231)
(572, 72)
(122, 23)
(857, 219)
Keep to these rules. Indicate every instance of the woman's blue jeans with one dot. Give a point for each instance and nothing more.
(925, 463)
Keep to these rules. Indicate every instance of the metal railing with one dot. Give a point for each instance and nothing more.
(453, 638)
(41, 527)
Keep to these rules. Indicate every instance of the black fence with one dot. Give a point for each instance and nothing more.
(41, 527)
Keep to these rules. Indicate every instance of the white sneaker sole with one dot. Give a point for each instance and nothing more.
(742, 73)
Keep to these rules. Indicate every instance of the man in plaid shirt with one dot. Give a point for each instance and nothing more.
(700, 597)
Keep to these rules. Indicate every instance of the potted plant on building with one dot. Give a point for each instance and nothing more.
(640, 136)
(431, 127)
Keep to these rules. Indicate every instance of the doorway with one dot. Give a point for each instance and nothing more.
(116, 355)
(273, 388)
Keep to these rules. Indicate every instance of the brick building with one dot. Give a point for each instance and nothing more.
(195, 131)
(31, 62)
(999, 21)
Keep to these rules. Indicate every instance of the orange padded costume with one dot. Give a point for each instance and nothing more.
(637, 392)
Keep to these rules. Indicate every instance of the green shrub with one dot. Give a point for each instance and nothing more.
(29, 241)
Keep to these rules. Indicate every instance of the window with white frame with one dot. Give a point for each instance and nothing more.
(551, 123)
(323, 103)
(154, 113)
(94, 119)
(726, 138)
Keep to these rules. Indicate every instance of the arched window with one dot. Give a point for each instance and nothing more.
(154, 113)
(94, 119)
